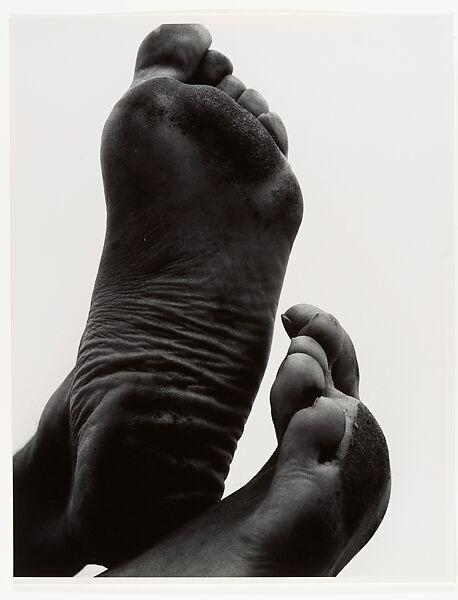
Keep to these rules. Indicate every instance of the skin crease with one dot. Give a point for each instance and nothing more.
(139, 437)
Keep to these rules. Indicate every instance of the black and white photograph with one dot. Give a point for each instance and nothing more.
(232, 245)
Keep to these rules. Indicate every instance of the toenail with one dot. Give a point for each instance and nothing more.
(288, 325)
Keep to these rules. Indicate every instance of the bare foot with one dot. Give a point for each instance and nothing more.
(202, 211)
(320, 497)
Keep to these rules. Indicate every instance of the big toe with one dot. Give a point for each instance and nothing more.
(172, 50)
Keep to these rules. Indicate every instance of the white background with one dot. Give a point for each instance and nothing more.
(368, 105)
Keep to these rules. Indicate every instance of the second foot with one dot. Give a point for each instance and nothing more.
(320, 497)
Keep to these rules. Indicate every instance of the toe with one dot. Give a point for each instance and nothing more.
(307, 345)
(232, 86)
(327, 331)
(172, 51)
(277, 130)
(299, 382)
(314, 433)
(213, 67)
(252, 101)
(344, 369)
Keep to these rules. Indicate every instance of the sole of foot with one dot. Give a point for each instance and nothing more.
(321, 496)
(202, 211)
